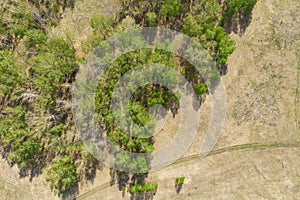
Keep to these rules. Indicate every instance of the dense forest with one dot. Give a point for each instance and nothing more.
(38, 72)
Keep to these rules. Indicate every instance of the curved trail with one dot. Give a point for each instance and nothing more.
(245, 147)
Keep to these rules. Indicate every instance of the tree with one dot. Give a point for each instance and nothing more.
(179, 181)
(10, 72)
(61, 174)
(238, 8)
(123, 160)
(151, 19)
(191, 27)
(200, 88)
(145, 187)
(54, 65)
(225, 46)
(139, 165)
(170, 8)
(25, 153)
(102, 25)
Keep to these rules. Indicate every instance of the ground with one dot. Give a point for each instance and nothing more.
(257, 155)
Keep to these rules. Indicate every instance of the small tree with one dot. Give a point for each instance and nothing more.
(62, 174)
(25, 153)
(170, 8)
(179, 183)
(151, 19)
(200, 88)
(101, 24)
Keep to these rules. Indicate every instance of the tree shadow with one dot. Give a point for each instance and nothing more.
(123, 178)
(143, 196)
(112, 174)
(31, 172)
(222, 69)
(90, 173)
(71, 194)
(238, 25)
(178, 187)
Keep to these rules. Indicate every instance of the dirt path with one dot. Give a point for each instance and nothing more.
(255, 149)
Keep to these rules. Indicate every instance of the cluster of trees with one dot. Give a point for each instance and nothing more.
(53, 65)
(37, 73)
(62, 173)
(36, 76)
(18, 17)
(202, 20)
(142, 99)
